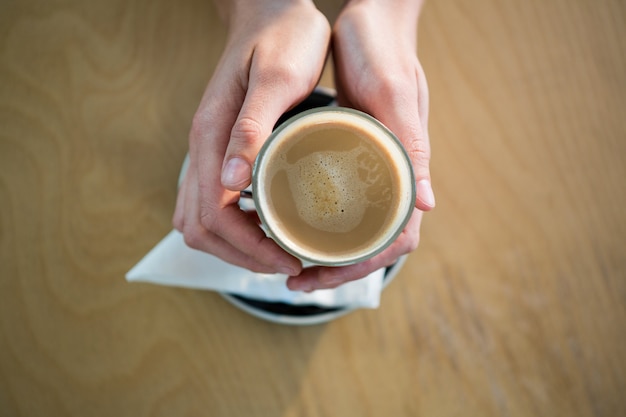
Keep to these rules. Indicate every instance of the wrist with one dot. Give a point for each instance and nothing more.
(383, 17)
(402, 12)
(400, 5)
(231, 11)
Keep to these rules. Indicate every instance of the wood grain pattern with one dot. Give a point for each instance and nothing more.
(514, 304)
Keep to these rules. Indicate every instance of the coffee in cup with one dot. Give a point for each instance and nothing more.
(333, 186)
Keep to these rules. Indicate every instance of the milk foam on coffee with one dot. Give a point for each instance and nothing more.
(329, 188)
(333, 186)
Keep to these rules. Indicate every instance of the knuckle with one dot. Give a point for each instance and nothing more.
(204, 120)
(388, 86)
(246, 131)
(418, 149)
(285, 76)
(278, 72)
(208, 219)
(194, 237)
(199, 124)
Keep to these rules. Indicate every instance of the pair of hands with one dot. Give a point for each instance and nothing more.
(273, 59)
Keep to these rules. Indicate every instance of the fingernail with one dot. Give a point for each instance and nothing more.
(425, 193)
(236, 173)
(287, 270)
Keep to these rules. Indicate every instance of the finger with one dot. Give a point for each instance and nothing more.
(179, 212)
(271, 91)
(202, 240)
(328, 277)
(423, 104)
(242, 232)
(425, 196)
(209, 226)
(220, 214)
(400, 112)
(212, 211)
(198, 237)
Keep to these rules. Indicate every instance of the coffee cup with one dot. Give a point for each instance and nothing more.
(333, 186)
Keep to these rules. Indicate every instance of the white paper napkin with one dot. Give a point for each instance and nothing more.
(172, 262)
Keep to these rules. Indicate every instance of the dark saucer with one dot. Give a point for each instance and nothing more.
(300, 314)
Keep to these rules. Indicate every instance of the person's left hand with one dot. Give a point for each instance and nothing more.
(377, 71)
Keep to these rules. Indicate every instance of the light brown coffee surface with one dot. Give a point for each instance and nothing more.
(333, 188)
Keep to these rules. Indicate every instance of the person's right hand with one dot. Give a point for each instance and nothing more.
(273, 59)
(377, 71)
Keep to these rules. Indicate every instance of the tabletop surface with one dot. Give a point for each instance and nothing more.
(513, 304)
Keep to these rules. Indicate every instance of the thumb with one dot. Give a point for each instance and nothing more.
(425, 196)
(405, 119)
(414, 136)
(418, 148)
(262, 107)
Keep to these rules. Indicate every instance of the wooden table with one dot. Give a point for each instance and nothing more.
(513, 305)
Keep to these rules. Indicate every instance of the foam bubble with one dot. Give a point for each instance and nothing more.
(333, 189)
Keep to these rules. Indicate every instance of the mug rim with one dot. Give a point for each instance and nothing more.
(325, 261)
